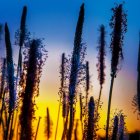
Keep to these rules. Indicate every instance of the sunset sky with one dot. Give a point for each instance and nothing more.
(55, 21)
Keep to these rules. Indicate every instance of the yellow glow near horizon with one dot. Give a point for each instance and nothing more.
(121, 99)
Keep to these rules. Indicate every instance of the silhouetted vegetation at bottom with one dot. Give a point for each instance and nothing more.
(134, 136)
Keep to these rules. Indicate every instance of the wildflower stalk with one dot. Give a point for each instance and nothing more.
(65, 126)
(121, 127)
(57, 119)
(2, 88)
(81, 111)
(87, 81)
(21, 40)
(101, 61)
(33, 70)
(75, 62)
(37, 128)
(48, 125)
(115, 128)
(138, 79)
(118, 23)
(90, 126)
(27, 107)
(10, 70)
(61, 93)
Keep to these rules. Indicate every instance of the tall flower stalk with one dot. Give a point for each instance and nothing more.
(32, 74)
(121, 127)
(87, 81)
(75, 63)
(101, 61)
(136, 99)
(37, 128)
(2, 95)
(119, 25)
(22, 35)
(115, 128)
(62, 93)
(10, 71)
(48, 124)
(138, 79)
(90, 123)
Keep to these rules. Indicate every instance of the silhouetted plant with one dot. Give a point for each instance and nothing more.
(121, 127)
(21, 35)
(63, 90)
(1, 30)
(64, 71)
(134, 135)
(3, 120)
(119, 25)
(115, 128)
(37, 127)
(136, 99)
(89, 123)
(10, 69)
(81, 109)
(10, 72)
(87, 81)
(48, 126)
(3, 77)
(75, 68)
(101, 61)
(30, 80)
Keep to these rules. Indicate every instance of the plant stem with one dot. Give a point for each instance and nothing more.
(99, 98)
(65, 126)
(37, 128)
(8, 125)
(57, 119)
(109, 105)
(11, 127)
(71, 120)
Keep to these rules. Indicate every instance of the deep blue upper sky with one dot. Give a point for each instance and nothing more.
(56, 20)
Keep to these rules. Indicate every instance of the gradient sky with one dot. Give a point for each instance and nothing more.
(55, 20)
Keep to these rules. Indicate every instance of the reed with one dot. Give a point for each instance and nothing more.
(48, 126)
(90, 125)
(101, 61)
(22, 35)
(62, 92)
(87, 82)
(138, 79)
(37, 128)
(3, 121)
(119, 25)
(75, 62)
(115, 128)
(10, 71)
(32, 74)
(121, 127)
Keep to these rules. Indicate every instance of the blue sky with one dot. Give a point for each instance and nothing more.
(55, 20)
